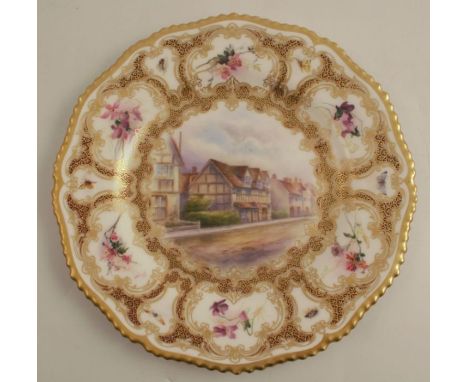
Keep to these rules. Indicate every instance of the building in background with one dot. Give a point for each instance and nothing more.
(166, 182)
(240, 188)
(309, 198)
(290, 197)
(249, 191)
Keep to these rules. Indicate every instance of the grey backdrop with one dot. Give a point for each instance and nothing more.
(79, 39)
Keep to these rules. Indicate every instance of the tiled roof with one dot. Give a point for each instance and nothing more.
(235, 174)
(239, 171)
(254, 172)
(293, 188)
(231, 173)
(176, 152)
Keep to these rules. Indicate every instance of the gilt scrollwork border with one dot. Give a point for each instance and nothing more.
(402, 245)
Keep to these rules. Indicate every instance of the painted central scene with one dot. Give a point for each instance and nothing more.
(233, 188)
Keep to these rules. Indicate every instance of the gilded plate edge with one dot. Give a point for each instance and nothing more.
(371, 300)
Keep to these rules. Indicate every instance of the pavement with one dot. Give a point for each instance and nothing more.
(230, 228)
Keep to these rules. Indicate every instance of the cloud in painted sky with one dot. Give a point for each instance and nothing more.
(243, 137)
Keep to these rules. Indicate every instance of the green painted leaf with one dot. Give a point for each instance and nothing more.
(338, 113)
(355, 132)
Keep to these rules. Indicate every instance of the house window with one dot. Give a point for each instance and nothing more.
(165, 185)
(160, 206)
(212, 188)
(164, 169)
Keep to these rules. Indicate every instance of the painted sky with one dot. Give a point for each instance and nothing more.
(243, 137)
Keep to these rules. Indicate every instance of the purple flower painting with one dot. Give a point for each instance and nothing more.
(344, 115)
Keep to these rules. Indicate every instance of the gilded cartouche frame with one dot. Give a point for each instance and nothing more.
(386, 283)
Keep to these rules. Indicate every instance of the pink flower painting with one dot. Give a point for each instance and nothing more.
(111, 111)
(219, 308)
(234, 62)
(345, 117)
(230, 323)
(228, 63)
(352, 252)
(114, 251)
(225, 331)
(125, 121)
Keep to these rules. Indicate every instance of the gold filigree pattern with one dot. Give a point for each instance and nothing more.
(359, 160)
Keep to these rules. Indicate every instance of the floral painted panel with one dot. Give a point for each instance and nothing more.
(234, 193)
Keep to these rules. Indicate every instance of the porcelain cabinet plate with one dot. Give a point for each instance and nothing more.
(234, 193)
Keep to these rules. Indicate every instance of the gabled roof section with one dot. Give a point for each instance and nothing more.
(235, 174)
(230, 172)
(293, 188)
(239, 171)
(255, 172)
(176, 152)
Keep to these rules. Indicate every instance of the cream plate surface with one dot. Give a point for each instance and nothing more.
(234, 193)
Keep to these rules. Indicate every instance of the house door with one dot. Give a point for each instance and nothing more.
(160, 207)
(244, 215)
(255, 215)
(291, 211)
